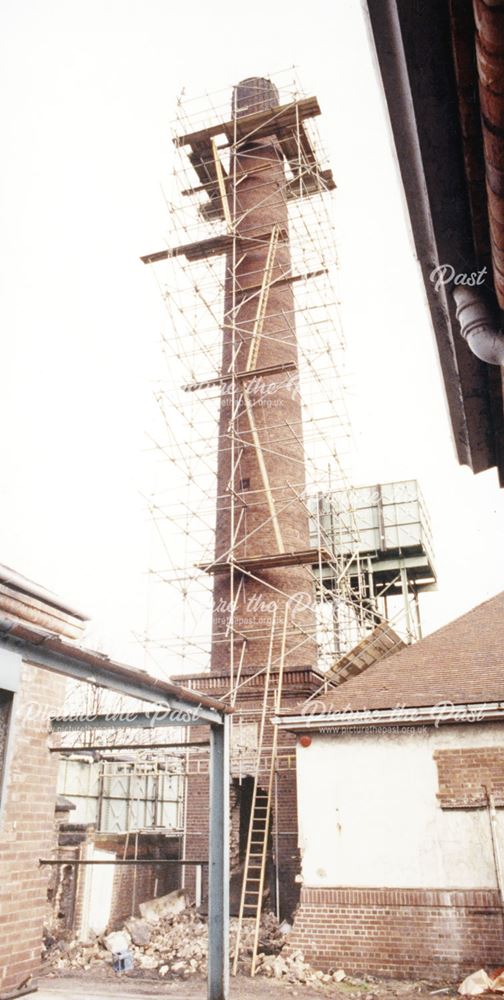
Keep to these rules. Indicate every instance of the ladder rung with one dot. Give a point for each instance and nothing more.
(259, 820)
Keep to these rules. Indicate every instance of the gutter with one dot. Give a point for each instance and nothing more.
(431, 715)
(28, 589)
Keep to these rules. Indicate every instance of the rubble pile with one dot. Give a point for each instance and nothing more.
(271, 937)
(171, 939)
(177, 945)
(292, 967)
(480, 983)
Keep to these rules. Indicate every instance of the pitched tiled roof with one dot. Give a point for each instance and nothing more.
(462, 663)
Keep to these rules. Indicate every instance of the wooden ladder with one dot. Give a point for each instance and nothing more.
(260, 814)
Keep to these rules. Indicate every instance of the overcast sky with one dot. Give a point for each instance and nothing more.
(87, 94)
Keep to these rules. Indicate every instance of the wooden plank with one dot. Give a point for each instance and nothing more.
(278, 117)
(382, 642)
(242, 375)
(212, 247)
(249, 563)
(222, 187)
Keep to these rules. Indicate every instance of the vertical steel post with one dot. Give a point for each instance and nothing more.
(218, 864)
(197, 885)
(405, 594)
(417, 615)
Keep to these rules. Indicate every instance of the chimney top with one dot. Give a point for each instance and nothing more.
(256, 93)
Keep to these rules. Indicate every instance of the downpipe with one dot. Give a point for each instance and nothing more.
(478, 325)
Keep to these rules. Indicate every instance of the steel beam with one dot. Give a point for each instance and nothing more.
(197, 744)
(218, 871)
(76, 863)
(126, 681)
(177, 713)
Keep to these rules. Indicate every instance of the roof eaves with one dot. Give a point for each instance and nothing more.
(353, 721)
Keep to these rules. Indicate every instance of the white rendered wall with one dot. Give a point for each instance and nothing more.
(369, 815)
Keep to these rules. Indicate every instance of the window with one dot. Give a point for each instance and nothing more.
(5, 713)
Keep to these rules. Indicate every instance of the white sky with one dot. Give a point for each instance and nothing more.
(87, 94)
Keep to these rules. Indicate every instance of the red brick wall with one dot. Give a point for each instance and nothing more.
(463, 775)
(27, 827)
(196, 845)
(436, 935)
(137, 884)
(151, 881)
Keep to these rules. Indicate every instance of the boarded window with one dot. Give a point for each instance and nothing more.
(464, 774)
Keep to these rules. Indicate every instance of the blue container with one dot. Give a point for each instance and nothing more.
(122, 961)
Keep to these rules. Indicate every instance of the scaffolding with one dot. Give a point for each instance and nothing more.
(206, 286)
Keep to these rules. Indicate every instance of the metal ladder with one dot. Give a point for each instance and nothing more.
(260, 815)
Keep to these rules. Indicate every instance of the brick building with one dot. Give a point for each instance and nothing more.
(28, 697)
(37, 655)
(399, 840)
